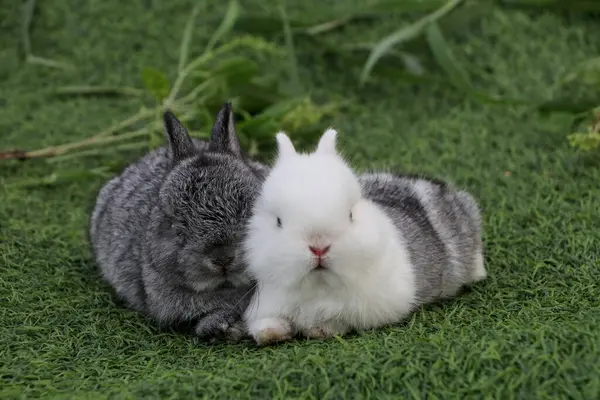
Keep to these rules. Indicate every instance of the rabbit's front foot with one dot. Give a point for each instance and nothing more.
(221, 324)
(270, 330)
(325, 330)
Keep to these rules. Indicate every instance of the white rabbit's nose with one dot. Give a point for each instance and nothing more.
(319, 251)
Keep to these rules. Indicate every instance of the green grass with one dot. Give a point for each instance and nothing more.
(530, 331)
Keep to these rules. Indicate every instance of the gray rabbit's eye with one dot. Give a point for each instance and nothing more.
(279, 222)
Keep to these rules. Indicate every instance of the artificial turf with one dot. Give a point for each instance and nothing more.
(530, 331)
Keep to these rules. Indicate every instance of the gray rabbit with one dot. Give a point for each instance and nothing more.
(441, 226)
(333, 251)
(165, 233)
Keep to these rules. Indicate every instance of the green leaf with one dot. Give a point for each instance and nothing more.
(231, 15)
(446, 59)
(259, 128)
(402, 35)
(156, 82)
(587, 141)
(279, 109)
(307, 115)
(236, 70)
(264, 125)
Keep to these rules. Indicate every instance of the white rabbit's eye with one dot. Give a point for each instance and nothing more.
(350, 215)
(279, 222)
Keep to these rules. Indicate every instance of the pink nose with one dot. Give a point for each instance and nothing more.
(319, 251)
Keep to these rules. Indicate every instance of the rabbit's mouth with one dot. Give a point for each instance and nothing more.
(225, 285)
(319, 264)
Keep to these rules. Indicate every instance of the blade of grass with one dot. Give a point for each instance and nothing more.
(289, 44)
(387, 6)
(61, 177)
(327, 26)
(28, 9)
(268, 24)
(402, 35)
(186, 40)
(231, 15)
(562, 5)
(446, 59)
(47, 62)
(569, 105)
(458, 76)
(242, 41)
(27, 18)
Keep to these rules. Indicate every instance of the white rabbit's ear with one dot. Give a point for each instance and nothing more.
(327, 142)
(284, 145)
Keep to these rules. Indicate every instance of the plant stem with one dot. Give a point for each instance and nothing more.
(13, 154)
(98, 90)
(94, 140)
(104, 136)
(181, 77)
(96, 152)
(289, 43)
(142, 114)
(187, 37)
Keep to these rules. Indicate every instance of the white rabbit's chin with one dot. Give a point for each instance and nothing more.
(318, 267)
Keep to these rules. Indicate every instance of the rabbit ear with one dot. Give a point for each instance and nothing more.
(284, 145)
(327, 142)
(178, 137)
(224, 136)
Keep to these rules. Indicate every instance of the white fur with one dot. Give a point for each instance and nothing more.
(480, 272)
(368, 280)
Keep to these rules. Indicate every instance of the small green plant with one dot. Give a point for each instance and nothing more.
(587, 74)
(239, 70)
(590, 139)
(250, 70)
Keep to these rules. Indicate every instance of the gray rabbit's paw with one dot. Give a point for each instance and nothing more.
(220, 325)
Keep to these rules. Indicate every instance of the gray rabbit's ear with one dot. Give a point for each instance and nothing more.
(178, 137)
(224, 136)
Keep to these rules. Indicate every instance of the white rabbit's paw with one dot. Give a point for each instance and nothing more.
(325, 330)
(271, 330)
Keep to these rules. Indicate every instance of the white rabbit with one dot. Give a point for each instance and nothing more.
(332, 252)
